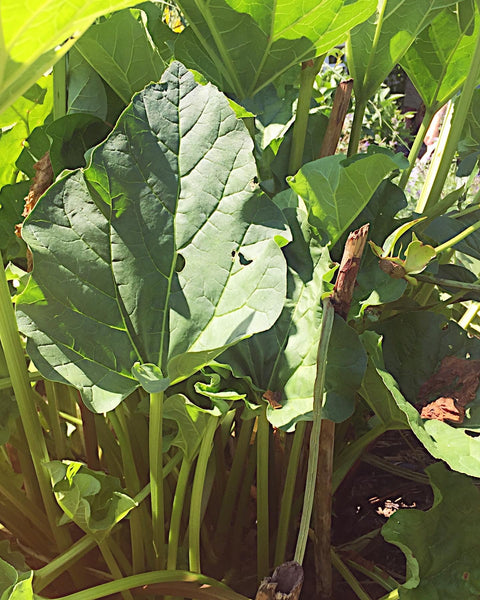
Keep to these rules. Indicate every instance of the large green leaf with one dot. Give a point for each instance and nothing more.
(439, 59)
(93, 500)
(337, 189)
(243, 45)
(283, 359)
(34, 34)
(161, 253)
(377, 45)
(120, 50)
(440, 544)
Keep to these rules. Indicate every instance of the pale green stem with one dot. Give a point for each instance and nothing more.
(177, 509)
(218, 591)
(6, 382)
(423, 203)
(195, 520)
(133, 485)
(325, 331)
(288, 491)
(15, 359)
(113, 566)
(469, 315)
(156, 477)
(416, 146)
(457, 238)
(263, 548)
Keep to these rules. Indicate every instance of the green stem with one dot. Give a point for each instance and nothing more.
(233, 484)
(457, 238)
(113, 566)
(348, 576)
(416, 146)
(263, 549)
(344, 462)
(461, 109)
(356, 130)
(156, 477)
(197, 495)
(15, 359)
(325, 331)
(54, 420)
(288, 491)
(132, 484)
(218, 590)
(6, 382)
(307, 77)
(177, 510)
(24, 505)
(48, 573)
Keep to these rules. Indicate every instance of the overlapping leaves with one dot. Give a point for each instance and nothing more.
(243, 45)
(283, 359)
(161, 253)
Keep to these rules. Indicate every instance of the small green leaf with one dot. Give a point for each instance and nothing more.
(440, 544)
(417, 257)
(93, 500)
(150, 377)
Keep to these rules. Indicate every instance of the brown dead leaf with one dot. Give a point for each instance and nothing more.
(273, 398)
(456, 383)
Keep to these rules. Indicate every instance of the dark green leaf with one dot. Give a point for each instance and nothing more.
(72, 135)
(86, 91)
(440, 544)
(160, 252)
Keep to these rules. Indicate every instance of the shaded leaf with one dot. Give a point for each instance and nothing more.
(86, 91)
(374, 391)
(126, 67)
(160, 252)
(440, 544)
(72, 135)
(12, 200)
(243, 45)
(191, 423)
(414, 346)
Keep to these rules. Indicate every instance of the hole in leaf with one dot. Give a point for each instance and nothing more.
(473, 434)
(243, 260)
(180, 263)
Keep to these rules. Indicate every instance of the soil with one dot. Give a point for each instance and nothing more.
(363, 503)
